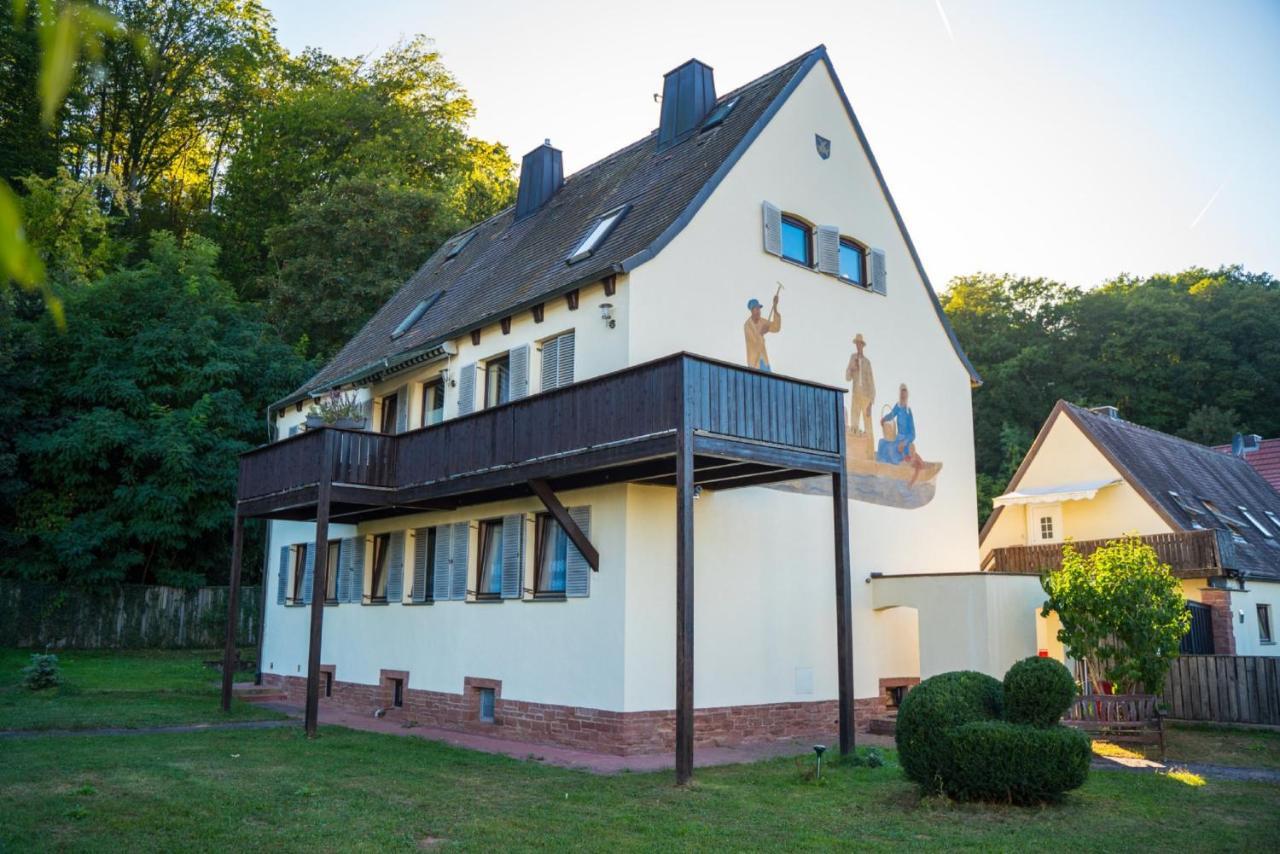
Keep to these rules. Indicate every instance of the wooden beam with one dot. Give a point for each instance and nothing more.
(844, 593)
(319, 582)
(229, 655)
(684, 596)
(543, 490)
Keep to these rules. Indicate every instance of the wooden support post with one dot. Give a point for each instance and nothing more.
(844, 592)
(684, 600)
(319, 580)
(229, 654)
(542, 489)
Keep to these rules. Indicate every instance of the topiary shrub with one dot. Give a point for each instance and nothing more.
(929, 712)
(1013, 763)
(41, 673)
(1038, 691)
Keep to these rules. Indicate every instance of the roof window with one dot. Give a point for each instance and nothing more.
(597, 234)
(1244, 511)
(719, 114)
(457, 245)
(415, 315)
(1227, 522)
(1194, 513)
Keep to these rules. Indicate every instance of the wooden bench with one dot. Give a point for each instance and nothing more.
(1119, 718)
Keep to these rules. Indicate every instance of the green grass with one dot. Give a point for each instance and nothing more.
(1223, 745)
(260, 789)
(118, 688)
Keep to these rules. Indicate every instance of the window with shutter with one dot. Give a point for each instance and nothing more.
(489, 548)
(355, 575)
(513, 556)
(443, 565)
(772, 228)
(309, 572)
(467, 389)
(557, 361)
(551, 553)
(519, 367)
(828, 243)
(459, 538)
(879, 282)
(344, 569)
(577, 570)
(331, 572)
(282, 580)
(424, 553)
(497, 381)
(402, 409)
(853, 262)
(378, 569)
(395, 567)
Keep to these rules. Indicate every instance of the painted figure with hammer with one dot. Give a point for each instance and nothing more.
(757, 327)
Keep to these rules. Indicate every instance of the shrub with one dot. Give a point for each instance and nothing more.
(1037, 691)
(874, 758)
(1013, 763)
(932, 709)
(41, 673)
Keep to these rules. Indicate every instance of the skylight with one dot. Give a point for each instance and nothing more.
(597, 235)
(1188, 509)
(1244, 511)
(415, 315)
(719, 114)
(458, 245)
(1274, 519)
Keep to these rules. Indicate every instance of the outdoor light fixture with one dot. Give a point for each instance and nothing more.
(444, 377)
(819, 749)
(606, 314)
(697, 492)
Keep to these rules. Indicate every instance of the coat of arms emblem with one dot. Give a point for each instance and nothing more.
(823, 145)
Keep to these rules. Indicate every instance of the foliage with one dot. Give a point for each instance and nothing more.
(931, 709)
(1121, 610)
(1038, 691)
(68, 228)
(1014, 763)
(337, 405)
(1182, 353)
(134, 418)
(41, 673)
(349, 244)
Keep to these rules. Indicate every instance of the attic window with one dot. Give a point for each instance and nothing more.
(719, 114)
(415, 315)
(1244, 511)
(1274, 519)
(1193, 512)
(458, 245)
(1227, 522)
(597, 235)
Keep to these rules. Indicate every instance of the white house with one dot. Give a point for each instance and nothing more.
(648, 366)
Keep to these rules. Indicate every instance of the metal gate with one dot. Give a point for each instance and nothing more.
(1199, 638)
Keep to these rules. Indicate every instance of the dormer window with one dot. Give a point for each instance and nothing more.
(797, 240)
(597, 234)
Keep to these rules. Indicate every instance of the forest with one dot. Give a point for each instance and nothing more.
(215, 216)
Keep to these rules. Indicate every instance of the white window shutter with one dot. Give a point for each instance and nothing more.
(550, 364)
(346, 554)
(518, 363)
(458, 556)
(309, 573)
(564, 360)
(577, 572)
(879, 283)
(828, 240)
(467, 389)
(772, 228)
(440, 584)
(513, 556)
(395, 567)
(402, 409)
(418, 592)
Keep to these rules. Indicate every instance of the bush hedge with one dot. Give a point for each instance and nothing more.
(1038, 691)
(931, 709)
(1014, 763)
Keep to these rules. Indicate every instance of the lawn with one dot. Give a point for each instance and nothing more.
(1242, 747)
(133, 688)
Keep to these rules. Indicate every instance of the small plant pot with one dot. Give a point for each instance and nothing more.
(314, 421)
(350, 423)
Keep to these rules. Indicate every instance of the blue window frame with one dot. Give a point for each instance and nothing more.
(551, 550)
(853, 262)
(797, 241)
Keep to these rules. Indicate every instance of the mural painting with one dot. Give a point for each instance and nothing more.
(887, 470)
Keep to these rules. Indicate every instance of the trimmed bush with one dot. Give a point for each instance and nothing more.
(1038, 691)
(1013, 763)
(932, 709)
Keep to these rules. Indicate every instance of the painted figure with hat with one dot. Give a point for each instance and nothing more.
(756, 328)
(862, 389)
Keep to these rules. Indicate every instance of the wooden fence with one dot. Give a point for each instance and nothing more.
(1224, 688)
(35, 615)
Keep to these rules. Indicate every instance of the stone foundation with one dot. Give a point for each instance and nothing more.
(580, 728)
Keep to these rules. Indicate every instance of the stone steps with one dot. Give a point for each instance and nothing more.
(259, 693)
(886, 725)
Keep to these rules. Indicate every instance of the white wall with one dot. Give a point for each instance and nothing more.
(1248, 640)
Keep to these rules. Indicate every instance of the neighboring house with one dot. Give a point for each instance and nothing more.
(1262, 454)
(1092, 477)
(518, 555)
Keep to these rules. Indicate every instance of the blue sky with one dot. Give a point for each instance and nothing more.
(1072, 140)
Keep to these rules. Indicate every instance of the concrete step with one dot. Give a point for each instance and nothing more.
(258, 693)
(887, 725)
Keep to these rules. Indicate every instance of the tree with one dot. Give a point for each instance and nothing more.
(1121, 610)
(1210, 425)
(132, 422)
(67, 227)
(28, 146)
(345, 249)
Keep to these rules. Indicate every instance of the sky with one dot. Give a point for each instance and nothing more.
(1071, 140)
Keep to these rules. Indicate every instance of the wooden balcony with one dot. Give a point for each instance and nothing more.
(747, 428)
(1190, 554)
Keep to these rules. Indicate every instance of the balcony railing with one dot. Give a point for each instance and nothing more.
(1189, 553)
(617, 418)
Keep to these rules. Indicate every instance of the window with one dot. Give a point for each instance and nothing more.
(1254, 521)
(1226, 521)
(457, 245)
(853, 262)
(489, 570)
(1046, 527)
(497, 381)
(378, 583)
(397, 693)
(410, 319)
(1274, 519)
(427, 593)
(597, 235)
(719, 114)
(390, 407)
(797, 241)
(1264, 624)
(331, 572)
(487, 703)
(551, 550)
(299, 571)
(328, 683)
(557, 361)
(1194, 512)
(432, 402)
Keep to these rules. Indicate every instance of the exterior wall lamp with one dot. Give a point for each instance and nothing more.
(606, 314)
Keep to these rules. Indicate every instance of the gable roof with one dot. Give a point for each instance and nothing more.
(506, 265)
(1265, 461)
(1156, 464)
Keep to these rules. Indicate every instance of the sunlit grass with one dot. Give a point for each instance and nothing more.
(1182, 775)
(1114, 751)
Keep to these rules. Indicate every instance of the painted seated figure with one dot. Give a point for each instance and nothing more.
(900, 447)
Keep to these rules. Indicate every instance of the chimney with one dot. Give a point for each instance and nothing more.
(1107, 411)
(688, 94)
(1242, 445)
(541, 175)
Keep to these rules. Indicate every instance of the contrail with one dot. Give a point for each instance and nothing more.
(942, 13)
(1208, 205)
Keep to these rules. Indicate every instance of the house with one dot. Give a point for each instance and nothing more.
(1091, 476)
(700, 386)
(1262, 454)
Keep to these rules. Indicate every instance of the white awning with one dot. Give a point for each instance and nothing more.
(1054, 494)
